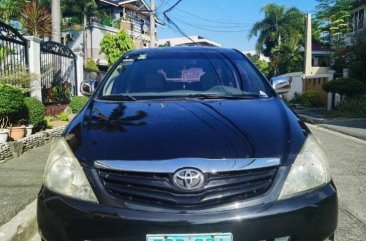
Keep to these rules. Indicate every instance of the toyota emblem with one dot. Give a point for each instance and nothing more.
(189, 179)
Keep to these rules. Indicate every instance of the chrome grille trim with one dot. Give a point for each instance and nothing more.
(172, 165)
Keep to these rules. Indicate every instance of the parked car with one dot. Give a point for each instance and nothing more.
(187, 143)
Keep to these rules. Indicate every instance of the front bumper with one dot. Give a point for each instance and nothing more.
(309, 217)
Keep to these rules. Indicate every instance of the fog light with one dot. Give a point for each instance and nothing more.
(282, 239)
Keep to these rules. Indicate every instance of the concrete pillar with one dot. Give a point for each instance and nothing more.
(34, 60)
(345, 73)
(308, 47)
(330, 95)
(79, 70)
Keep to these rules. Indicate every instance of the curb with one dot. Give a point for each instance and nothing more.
(312, 120)
(22, 227)
(361, 137)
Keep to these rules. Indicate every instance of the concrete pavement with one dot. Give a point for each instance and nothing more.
(20, 181)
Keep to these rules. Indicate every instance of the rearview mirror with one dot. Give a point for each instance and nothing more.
(281, 84)
(88, 87)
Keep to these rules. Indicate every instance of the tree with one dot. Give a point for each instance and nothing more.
(262, 65)
(36, 19)
(334, 20)
(85, 9)
(279, 23)
(10, 9)
(287, 57)
(357, 60)
(56, 21)
(114, 46)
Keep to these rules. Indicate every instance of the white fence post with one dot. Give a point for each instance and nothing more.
(330, 95)
(34, 63)
(79, 70)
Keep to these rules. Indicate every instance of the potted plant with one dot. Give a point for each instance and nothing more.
(17, 132)
(4, 132)
(29, 130)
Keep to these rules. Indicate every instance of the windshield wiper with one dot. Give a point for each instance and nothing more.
(213, 96)
(119, 97)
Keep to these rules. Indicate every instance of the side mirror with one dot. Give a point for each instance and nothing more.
(88, 87)
(281, 84)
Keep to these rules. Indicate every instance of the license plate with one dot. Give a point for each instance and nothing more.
(190, 237)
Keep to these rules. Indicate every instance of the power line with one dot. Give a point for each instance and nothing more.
(211, 26)
(162, 3)
(212, 29)
(211, 20)
(171, 22)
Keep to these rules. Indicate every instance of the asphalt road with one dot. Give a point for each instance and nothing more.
(347, 157)
(347, 160)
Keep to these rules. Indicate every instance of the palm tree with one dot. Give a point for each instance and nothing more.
(10, 9)
(85, 9)
(56, 20)
(279, 23)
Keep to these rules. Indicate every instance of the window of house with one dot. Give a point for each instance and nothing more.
(358, 20)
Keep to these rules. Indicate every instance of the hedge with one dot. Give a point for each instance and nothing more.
(77, 103)
(35, 112)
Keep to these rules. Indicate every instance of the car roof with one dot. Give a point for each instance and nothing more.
(183, 49)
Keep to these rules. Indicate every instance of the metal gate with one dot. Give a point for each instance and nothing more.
(13, 51)
(58, 73)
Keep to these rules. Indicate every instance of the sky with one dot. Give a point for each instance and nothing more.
(224, 21)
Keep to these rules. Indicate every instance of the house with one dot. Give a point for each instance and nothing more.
(358, 20)
(191, 41)
(130, 15)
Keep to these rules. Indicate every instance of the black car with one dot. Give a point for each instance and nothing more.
(186, 144)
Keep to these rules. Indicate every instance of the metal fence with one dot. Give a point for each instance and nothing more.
(13, 51)
(58, 73)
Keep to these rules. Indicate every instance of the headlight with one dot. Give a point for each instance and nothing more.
(64, 175)
(310, 170)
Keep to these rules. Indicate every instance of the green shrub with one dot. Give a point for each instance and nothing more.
(77, 103)
(11, 99)
(63, 116)
(47, 121)
(91, 65)
(352, 107)
(345, 86)
(296, 99)
(311, 98)
(35, 111)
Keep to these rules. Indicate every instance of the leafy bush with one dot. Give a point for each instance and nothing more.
(352, 107)
(77, 103)
(35, 112)
(114, 46)
(345, 86)
(11, 99)
(311, 98)
(91, 65)
(21, 78)
(296, 99)
(63, 116)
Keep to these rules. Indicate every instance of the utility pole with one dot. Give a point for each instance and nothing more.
(152, 24)
(308, 47)
(56, 21)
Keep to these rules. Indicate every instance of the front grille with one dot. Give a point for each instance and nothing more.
(158, 189)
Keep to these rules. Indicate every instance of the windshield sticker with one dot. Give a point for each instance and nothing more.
(187, 75)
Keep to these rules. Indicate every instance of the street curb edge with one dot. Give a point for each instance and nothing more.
(22, 227)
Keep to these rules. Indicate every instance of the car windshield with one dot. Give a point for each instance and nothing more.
(184, 74)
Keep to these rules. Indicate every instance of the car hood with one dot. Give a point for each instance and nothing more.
(157, 130)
